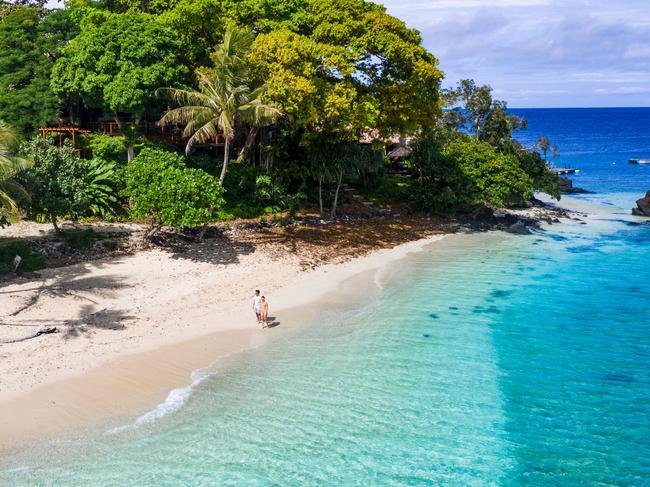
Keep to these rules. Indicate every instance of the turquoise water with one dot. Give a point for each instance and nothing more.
(484, 360)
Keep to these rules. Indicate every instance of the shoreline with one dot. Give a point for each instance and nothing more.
(119, 389)
(137, 327)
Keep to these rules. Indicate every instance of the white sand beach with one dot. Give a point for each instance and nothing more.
(133, 328)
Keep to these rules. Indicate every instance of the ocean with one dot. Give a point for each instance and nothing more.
(485, 359)
(596, 141)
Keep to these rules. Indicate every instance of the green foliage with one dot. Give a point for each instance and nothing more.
(444, 188)
(347, 66)
(62, 185)
(108, 147)
(164, 192)
(472, 109)
(30, 42)
(463, 171)
(99, 192)
(55, 182)
(497, 179)
(32, 259)
(226, 97)
(389, 189)
(117, 63)
(10, 165)
(537, 169)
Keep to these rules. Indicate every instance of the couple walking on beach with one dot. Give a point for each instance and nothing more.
(261, 308)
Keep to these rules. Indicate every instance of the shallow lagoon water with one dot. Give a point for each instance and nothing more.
(486, 359)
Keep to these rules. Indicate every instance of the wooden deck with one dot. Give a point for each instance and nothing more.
(566, 170)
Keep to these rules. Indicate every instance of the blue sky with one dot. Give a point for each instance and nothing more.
(540, 53)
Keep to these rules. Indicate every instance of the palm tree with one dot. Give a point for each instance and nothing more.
(10, 164)
(225, 98)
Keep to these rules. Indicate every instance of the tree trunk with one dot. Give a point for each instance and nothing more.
(130, 151)
(54, 223)
(250, 140)
(320, 195)
(226, 150)
(336, 195)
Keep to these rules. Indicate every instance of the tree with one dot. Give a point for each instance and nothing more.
(226, 97)
(60, 184)
(116, 64)
(55, 181)
(164, 192)
(29, 45)
(330, 161)
(345, 66)
(458, 171)
(545, 146)
(472, 109)
(537, 169)
(10, 165)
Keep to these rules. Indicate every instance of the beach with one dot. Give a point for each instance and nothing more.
(135, 327)
(428, 358)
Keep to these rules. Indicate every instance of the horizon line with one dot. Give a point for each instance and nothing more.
(576, 108)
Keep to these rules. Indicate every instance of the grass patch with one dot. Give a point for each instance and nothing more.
(32, 259)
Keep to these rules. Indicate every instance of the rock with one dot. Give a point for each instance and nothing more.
(642, 206)
(518, 228)
(566, 186)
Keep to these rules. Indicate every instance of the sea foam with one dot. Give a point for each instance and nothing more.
(175, 400)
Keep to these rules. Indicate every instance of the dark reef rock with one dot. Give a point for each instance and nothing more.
(519, 228)
(567, 187)
(642, 206)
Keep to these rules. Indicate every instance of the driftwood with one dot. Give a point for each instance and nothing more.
(42, 330)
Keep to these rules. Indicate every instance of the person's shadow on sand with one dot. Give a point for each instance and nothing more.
(272, 322)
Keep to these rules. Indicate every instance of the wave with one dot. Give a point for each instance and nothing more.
(175, 400)
(18, 469)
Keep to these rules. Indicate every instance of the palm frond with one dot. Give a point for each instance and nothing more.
(201, 135)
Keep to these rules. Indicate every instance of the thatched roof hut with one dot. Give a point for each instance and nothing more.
(400, 152)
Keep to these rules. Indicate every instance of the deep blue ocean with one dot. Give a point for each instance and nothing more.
(485, 359)
(597, 141)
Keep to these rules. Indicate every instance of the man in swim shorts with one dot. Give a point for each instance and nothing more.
(257, 301)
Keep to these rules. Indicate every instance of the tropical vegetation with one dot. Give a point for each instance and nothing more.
(185, 112)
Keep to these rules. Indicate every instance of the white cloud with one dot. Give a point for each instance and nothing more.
(555, 52)
(623, 90)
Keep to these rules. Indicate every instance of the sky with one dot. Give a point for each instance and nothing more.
(540, 53)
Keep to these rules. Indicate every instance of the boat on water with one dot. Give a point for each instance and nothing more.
(639, 161)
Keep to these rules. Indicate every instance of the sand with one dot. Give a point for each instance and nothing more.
(133, 328)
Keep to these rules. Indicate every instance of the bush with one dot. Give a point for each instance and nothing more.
(444, 188)
(537, 169)
(32, 260)
(461, 171)
(61, 184)
(498, 179)
(55, 182)
(163, 191)
(108, 148)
